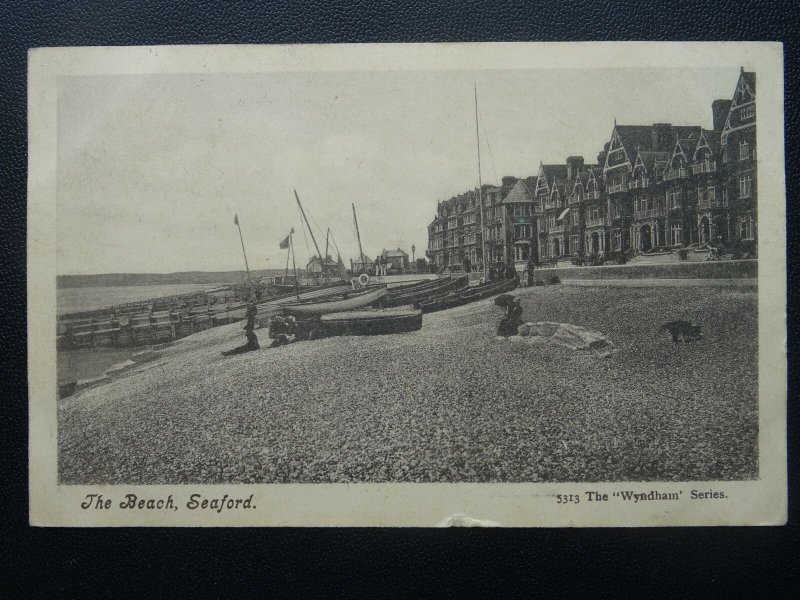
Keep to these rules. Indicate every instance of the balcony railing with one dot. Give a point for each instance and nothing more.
(639, 183)
(618, 187)
(649, 213)
(594, 195)
(595, 222)
(706, 203)
(557, 228)
(709, 166)
(675, 174)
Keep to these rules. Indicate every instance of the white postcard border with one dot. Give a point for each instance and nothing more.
(763, 501)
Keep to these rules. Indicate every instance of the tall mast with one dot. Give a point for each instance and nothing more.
(358, 235)
(480, 185)
(294, 266)
(241, 239)
(302, 212)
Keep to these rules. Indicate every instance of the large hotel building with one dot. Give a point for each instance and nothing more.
(654, 189)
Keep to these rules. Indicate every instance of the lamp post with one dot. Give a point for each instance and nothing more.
(413, 259)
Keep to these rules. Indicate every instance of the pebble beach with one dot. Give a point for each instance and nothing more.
(449, 403)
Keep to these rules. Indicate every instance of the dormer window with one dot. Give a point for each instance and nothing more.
(744, 150)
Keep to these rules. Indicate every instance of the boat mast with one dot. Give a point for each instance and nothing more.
(294, 266)
(302, 212)
(358, 235)
(480, 185)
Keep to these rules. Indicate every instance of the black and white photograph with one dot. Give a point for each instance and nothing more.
(518, 284)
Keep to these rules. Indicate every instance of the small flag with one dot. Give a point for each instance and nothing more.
(236, 219)
(285, 242)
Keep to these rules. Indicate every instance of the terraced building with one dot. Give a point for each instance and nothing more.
(655, 189)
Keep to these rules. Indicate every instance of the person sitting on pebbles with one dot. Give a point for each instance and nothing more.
(513, 318)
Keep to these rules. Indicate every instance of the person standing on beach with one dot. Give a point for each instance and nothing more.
(252, 338)
(531, 268)
(250, 315)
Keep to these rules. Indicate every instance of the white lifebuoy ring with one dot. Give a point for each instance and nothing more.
(363, 279)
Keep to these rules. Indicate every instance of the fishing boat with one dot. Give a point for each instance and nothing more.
(428, 292)
(378, 321)
(350, 301)
(402, 288)
(478, 292)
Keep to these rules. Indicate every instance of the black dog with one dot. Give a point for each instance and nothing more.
(682, 331)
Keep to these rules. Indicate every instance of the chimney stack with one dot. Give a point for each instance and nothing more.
(662, 137)
(574, 164)
(719, 111)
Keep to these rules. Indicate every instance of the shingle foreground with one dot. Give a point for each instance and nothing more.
(448, 403)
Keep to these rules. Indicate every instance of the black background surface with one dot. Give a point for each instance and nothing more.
(233, 562)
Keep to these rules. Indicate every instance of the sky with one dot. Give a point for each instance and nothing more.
(153, 168)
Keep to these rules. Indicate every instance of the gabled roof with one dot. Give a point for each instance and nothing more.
(555, 176)
(560, 187)
(660, 165)
(650, 159)
(640, 137)
(634, 138)
(594, 173)
(554, 173)
(520, 193)
(745, 83)
(687, 146)
(392, 253)
(708, 139)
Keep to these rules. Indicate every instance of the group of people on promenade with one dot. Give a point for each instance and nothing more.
(499, 271)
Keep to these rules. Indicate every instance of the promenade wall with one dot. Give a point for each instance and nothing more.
(728, 269)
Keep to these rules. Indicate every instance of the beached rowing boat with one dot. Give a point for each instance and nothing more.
(415, 286)
(370, 321)
(348, 302)
(378, 321)
(478, 292)
(419, 295)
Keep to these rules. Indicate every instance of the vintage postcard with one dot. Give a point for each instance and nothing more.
(407, 285)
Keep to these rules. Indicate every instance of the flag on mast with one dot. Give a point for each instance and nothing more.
(285, 242)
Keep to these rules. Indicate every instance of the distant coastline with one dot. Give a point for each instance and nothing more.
(180, 278)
